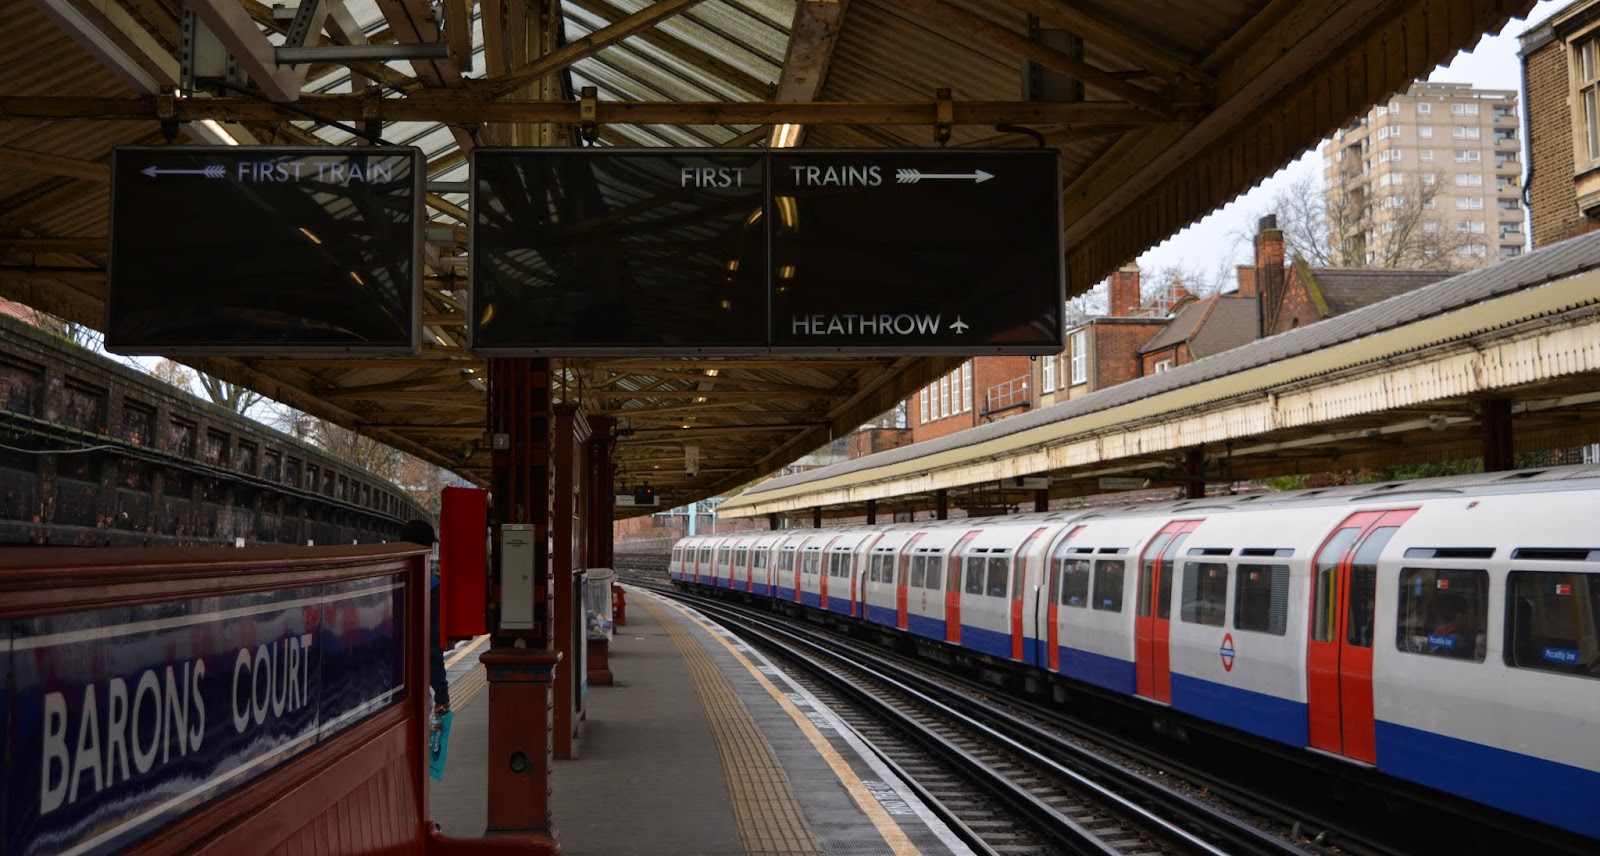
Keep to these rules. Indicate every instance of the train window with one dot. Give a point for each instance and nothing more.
(1325, 604)
(1147, 570)
(722, 556)
(761, 556)
(1205, 593)
(786, 559)
(935, 572)
(974, 584)
(1550, 622)
(1168, 571)
(999, 576)
(808, 563)
(705, 555)
(1261, 599)
(839, 564)
(1363, 587)
(1444, 613)
(1074, 576)
(1108, 575)
(919, 570)
(742, 557)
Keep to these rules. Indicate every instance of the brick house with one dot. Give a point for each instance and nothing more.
(1140, 338)
(1561, 76)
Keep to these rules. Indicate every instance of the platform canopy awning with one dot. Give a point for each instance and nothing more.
(1178, 114)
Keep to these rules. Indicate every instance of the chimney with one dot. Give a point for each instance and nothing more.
(1122, 301)
(1269, 273)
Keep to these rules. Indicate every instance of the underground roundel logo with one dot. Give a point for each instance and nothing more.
(1227, 652)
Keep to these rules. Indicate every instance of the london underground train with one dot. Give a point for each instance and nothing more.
(1443, 631)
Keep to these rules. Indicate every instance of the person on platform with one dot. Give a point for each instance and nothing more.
(421, 532)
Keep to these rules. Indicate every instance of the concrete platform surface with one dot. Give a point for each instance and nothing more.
(701, 746)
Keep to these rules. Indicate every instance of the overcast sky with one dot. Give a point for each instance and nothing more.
(1215, 240)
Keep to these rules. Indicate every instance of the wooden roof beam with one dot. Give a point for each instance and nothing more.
(514, 79)
(351, 108)
(49, 164)
(711, 64)
(1118, 39)
(983, 29)
(812, 38)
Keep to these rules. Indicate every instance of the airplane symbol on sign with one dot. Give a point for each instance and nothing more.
(959, 326)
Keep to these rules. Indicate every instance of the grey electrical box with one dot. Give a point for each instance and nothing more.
(516, 576)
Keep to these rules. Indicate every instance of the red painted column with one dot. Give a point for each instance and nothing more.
(569, 537)
(1498, 451)
(520, 664)
(1194, 464)
(520, 756)
(601, 509)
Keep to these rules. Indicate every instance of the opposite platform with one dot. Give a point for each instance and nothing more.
(701, 747)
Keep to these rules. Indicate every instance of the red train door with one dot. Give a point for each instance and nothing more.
(1152, 626)
(1019, 575)
(952, 591)
(1339, 655)
(1052, 599)
(900, 577)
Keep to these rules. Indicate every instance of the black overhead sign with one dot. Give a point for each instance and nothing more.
(581, 252)
(590, 251)
(265, 251)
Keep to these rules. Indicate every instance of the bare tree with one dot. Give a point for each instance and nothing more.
(1399, 227)
(78, 334)
(229, 395)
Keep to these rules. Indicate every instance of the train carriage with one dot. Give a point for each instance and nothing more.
(1442, 631)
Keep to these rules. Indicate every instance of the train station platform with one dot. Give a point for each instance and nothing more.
(701, 746)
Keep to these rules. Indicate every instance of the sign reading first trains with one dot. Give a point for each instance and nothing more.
(264, 250)
(850, 253)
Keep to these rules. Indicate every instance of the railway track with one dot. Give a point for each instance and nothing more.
(1005, 783)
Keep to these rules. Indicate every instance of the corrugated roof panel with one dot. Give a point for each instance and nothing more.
(1556, 262)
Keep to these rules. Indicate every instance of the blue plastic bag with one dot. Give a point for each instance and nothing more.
(439, 743)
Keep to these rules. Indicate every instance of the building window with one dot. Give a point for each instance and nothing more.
(1424, 108)
(944, 396)
(1426, 156)
(1080, 357)
(1468, 156)
(1468, 251)
(1469, 179)
(966, 386)
(1425, 132)
(1464, 132)
(1049, 380)
(1163, 365)
(1463, 109)
(1510, 252)
(1394, 106)
(922, 409)
(1430, 226)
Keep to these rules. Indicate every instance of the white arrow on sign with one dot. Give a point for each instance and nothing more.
(213, 171)
(912, 176)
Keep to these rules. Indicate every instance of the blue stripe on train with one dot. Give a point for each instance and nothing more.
(838, 604)
(1269, 716)
(785, 593)
(885, 615)
(922, 625)
(986, 641)
(810, 598)
(1558, 794)
(1113, 673)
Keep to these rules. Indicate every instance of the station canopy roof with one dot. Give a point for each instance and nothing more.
(1177, 114)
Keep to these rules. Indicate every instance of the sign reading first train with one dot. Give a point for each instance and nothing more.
(120, 721)
(798, 251)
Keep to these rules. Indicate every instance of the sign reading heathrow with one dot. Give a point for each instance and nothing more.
(265, 251)
(852, 253)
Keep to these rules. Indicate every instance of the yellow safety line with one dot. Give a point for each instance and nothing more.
(892, 834)
(456, 657)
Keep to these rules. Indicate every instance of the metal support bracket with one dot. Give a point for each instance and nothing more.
(300, 28)
(588, 123)
(944, 116)
(203, 57)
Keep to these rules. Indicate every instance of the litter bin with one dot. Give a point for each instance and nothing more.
(597, 602)
(597, 610)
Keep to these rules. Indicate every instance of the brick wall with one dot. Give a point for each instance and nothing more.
(1554, 206)
(990, 372)
(1297, 309)
(871, 440)
(1114, 353)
